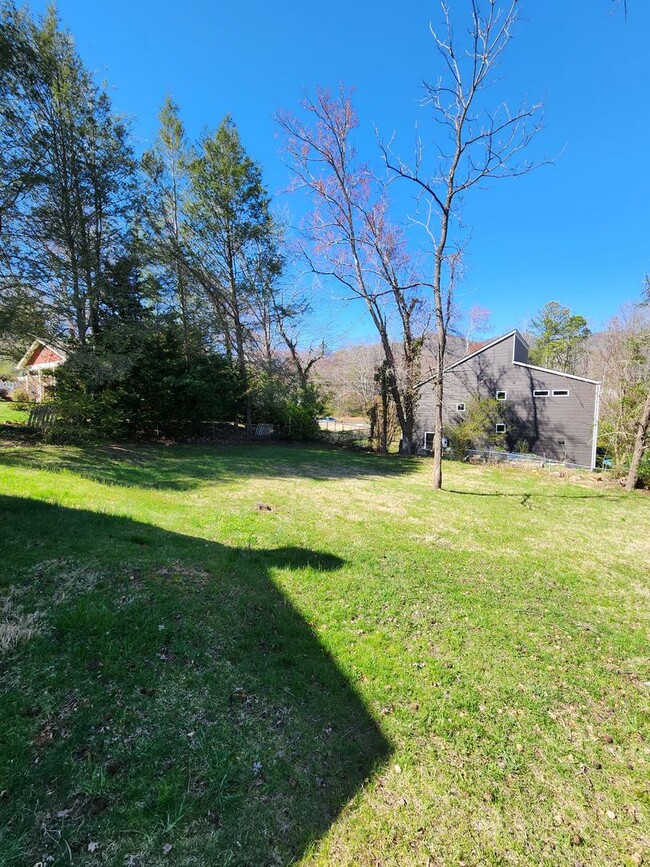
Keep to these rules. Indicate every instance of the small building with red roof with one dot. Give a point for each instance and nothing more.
(37, 365)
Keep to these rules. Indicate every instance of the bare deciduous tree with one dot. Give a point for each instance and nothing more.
(642, 429)
(640, 439)
(479, 323)
(623, 363)
(352, 239)
(474, 144)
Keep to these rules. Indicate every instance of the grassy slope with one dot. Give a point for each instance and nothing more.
(368, 674)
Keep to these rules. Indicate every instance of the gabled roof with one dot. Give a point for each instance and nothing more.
(489, 344)
(38, 344)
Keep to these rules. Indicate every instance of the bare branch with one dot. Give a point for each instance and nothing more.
(351, 238)
(474, 147)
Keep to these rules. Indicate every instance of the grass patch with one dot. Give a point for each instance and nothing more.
(14, 413)
(367, 673)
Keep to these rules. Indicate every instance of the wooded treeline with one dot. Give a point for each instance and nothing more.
(162, 275)
(167, 275)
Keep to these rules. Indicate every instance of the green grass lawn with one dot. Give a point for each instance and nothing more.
(365, 673)
(12, 412)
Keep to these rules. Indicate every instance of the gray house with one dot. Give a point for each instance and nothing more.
(555, 413)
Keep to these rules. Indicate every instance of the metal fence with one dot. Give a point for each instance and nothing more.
(352, 437)
(231, 432)
(498, 456)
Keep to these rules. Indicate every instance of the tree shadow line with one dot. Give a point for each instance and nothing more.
(185, 467)
(169, 692)
(524, 496)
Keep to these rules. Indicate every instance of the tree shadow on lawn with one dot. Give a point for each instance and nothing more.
(185, 467)
(525, 496)
(165, 692)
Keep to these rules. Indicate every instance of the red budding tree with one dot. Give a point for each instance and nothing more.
(350, 238)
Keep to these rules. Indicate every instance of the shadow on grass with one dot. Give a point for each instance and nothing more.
(188, 466)
(164, 693)
(524, 497)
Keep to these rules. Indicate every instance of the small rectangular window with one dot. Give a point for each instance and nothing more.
(500, 428)
(428, 441)
(460, 407)
(560, 392)
(501, 395)
(540, 392)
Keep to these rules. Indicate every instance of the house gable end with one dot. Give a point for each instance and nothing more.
(41, 355)
(483, 349)
(552, 413)
(44, 355)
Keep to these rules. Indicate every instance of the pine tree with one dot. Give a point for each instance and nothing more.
(561, 337)
(233, 239)
(165, 169)
(73, 175)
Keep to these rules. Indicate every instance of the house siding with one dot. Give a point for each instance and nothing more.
(558, 428)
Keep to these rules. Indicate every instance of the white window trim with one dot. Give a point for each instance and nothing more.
(503, 392)
(426, 434)
(501, 425)
(561, 392)
(460, 407)
(541, 392)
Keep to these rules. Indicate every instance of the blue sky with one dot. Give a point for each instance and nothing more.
(577, 231)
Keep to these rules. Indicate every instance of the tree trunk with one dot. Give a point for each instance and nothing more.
(437, 439)
(641, 430)
(409, 446)
(441, 330)
(439, 392)
(384, 413)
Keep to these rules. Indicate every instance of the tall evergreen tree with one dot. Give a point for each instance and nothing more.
(22, 158)
(166, 181)
(73, 173)
(234, 253)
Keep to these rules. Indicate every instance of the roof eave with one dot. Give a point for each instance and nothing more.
(557, 372)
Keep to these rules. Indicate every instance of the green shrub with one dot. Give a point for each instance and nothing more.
(298, 421)
(476, 427)
(137, 383)
(278, 399)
